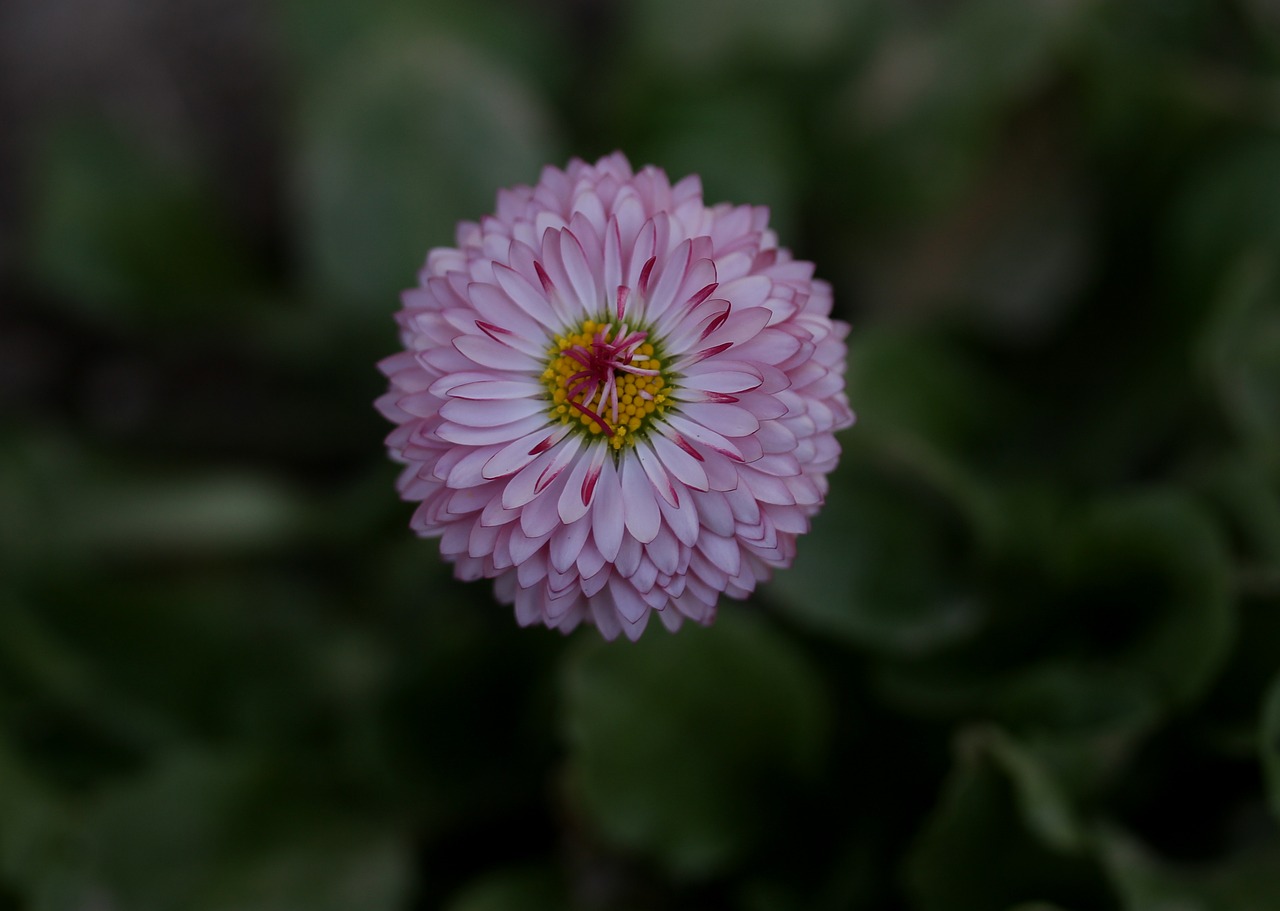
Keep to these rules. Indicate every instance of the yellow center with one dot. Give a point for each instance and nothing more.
(637, 395)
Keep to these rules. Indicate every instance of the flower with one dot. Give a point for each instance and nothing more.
(615, 400)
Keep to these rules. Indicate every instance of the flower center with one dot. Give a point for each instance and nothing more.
(609, 382)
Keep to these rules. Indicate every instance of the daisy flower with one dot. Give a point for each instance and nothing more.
(614, 400)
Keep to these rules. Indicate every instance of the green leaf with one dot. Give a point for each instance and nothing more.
(1218, 217)
(209, 832)
(1156, 554)
(1241, 350)
(668, 736)
(219, 512)
(1128, 616)
(716, 33)
(1269, 745)
(1001, 810)
(1248, 880)
(875, 569)
(926, 110)
(124, 231)
(1042, 802)
(705, 135)
(414, 133)
(38, 837)
(1249, 496)
(519, 889)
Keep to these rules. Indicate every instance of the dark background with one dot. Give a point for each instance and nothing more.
(1028, 657)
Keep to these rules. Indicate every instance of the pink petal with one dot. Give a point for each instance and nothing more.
(678, 461)
(480, 436)
(519, 453)
(640, 511)
(481, 390)
(490, 412)
(482, 350)
(530, 299)
(606, 513)
(567, 543)
(726, 420)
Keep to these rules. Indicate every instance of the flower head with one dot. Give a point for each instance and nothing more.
(615, 400)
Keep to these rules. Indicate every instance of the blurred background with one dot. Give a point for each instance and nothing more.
(1028, 658)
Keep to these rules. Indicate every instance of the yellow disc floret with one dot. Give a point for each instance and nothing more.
(608, 382)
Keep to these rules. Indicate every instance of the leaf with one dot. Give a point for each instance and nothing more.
(1247, 880)
(414, 133)
(1001, 809)
(879, 568)
(1156, 550)
(704, 135)
(1218, 218)
(125, 232)
(209, 832)
(1241, 350)
(668, 736)
(517, 889)
(714, 34)
(220, 512)
(1269, 745)
(1128, 616)
(925, 110)
(38, 837)
(1041, 800)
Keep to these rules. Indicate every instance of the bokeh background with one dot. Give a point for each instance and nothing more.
(1030, 654)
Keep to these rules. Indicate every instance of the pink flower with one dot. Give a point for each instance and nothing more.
(614, 400)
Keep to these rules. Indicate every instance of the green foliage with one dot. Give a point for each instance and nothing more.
(667, 736)
(1027, 657)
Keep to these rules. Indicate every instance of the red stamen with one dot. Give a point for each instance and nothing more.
(608, 431)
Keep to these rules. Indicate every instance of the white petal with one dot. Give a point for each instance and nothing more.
(639, 509)
(519, 453)
(532, 300)
(484, 436)
(495, 308)
(605, 617)
(629, 556)
(582, 281)
(442, 386)
(656, 473)
(490, 353)
(629, 604)
(721, 551)
(664, 551)
(579, 490)
(662, 294)
(606, 514)
(707, 437)
(715, 512)
(487, 389)
(566, 544)
(682, 519)
(536, 477)
(489, 412)
(677, 461)
(725, 419)
(539, 516)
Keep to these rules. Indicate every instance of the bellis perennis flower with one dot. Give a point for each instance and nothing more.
(615, 400)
